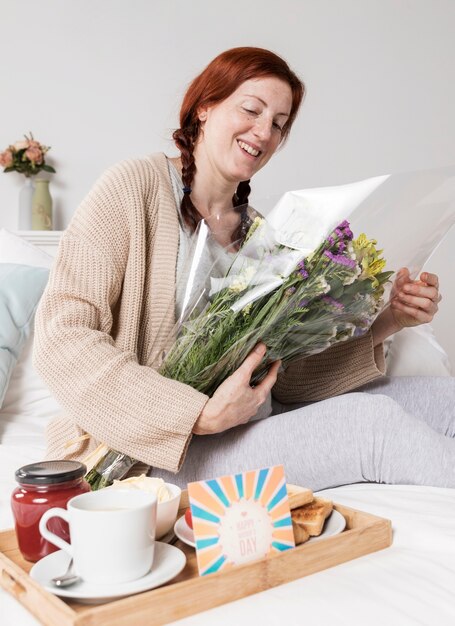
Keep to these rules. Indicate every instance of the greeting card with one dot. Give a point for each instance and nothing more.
(240, 517)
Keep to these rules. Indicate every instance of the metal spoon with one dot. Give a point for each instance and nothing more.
(69, 578)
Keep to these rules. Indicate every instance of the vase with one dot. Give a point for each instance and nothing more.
(25, 204)
(42, 206)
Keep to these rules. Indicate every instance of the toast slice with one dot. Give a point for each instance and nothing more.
(311, 517)
(298, 496)
(300, 534)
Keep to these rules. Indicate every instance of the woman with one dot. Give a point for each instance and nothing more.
(110, 306)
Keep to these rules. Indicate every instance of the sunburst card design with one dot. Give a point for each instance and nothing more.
(240, 518)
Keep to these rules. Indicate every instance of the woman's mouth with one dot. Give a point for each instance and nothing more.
(249, 149)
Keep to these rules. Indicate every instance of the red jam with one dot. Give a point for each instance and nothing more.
(42, 486)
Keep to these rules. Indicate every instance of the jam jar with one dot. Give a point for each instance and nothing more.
(42, 486)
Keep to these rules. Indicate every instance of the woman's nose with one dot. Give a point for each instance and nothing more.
(263, 128)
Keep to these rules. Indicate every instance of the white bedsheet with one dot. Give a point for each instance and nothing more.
(411, 583)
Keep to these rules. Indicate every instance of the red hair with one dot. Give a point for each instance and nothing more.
(216, 83)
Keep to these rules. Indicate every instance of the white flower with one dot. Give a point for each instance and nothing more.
(351, 252)
(322, 284)
(352, 278)
(241, 282)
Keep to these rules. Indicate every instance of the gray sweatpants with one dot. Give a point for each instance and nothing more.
(394, 430)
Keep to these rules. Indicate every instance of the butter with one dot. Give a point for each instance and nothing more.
(157, 486)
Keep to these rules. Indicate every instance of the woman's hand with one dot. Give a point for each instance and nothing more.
(412, 302)
(235, 401)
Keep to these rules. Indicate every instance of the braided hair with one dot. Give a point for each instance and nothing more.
(185, 140)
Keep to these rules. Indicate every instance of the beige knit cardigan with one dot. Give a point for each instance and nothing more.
(108, 312)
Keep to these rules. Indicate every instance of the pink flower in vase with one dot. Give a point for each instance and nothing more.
(21, 145)
(6, 158)
(26, 157)
(34, 154)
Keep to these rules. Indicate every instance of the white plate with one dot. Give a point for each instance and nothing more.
(184, 532)
(167, 563)
(334, 525)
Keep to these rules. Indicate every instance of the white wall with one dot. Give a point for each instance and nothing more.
(101, 80)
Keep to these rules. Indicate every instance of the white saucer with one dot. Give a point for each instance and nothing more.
(167, 563)
(184, 532)
(334, 525)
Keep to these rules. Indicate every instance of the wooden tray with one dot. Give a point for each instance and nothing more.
(188, 593)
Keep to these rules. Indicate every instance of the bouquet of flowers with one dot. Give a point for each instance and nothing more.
(296, 302)
(26, 157)
(296, 305)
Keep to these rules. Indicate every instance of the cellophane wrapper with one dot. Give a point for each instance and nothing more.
(297, 302)
(307, 276)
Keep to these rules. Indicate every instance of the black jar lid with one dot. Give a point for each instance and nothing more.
(50, 472)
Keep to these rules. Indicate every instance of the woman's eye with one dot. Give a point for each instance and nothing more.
(250, 111)
(277, 127)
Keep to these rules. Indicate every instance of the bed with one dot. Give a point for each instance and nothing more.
(412, 582)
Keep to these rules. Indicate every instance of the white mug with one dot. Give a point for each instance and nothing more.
(112, 534)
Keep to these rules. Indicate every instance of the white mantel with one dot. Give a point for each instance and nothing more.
(46, 240)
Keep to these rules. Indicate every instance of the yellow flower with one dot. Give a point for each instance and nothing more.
(361, 241)
(377, 266)
(371, 267)
(369, 258)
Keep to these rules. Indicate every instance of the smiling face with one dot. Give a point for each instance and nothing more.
(240, 134)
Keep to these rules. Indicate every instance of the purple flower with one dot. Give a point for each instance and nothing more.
(289, 291)
(340, 259)
(330, 240)
(341, 246)
(333, 302)
(303, 303)
(348, 234)
(343, 231)
(302, 271)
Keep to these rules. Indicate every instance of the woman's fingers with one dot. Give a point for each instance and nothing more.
(417, 315)
(421, 290)
(263, 388)
(422, 294)
(235, 401)
(427, 302)
(252, 361)
(430, 279)
(415, 302)
(401, 277)
(247, 368)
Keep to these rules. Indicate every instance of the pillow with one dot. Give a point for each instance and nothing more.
(27, 396)
(21, 287)
(14, 249)
(28, 402)
(416, 352)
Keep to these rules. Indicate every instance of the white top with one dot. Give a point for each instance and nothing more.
(215, 260)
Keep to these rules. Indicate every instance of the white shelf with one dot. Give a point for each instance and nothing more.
(46, 240)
